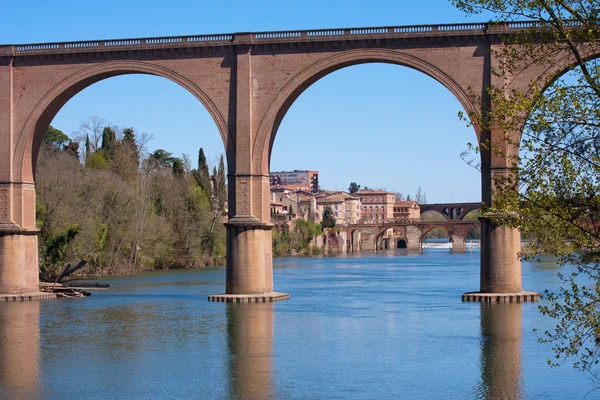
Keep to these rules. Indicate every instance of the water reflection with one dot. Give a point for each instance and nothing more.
(501, 328)
(19, 350)
(250, 344)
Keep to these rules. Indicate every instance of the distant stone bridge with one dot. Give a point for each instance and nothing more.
(451, 211)
(373, 237)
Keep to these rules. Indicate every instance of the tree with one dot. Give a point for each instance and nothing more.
(92, 130)
(202, 175)
(88, 148)
(56, 139)
(129, 143)
(177, 165)
(354, 187)
(552, 194)
(109, 141)
(421, 196)
(221, 186)
(328, 218)
(160, 159)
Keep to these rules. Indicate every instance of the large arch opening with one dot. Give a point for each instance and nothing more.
(132, 193)
(44, 112)
(369, 124)
(269, 126)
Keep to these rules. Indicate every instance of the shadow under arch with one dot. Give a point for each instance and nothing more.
(441, 217)
(428, 229)
(30, 138)
(269, 124)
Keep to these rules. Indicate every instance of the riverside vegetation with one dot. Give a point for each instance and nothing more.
(124, 212)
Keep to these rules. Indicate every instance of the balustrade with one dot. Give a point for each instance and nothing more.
(286, 36)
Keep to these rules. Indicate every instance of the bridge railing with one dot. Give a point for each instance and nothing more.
(120, 43)
(369, 31)
(272, 36)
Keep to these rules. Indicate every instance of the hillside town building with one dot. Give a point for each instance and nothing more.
(369, 206)
(297, 179)
(377, 205)
(345, 207)
(407, 210)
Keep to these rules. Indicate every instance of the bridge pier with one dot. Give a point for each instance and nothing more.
(459, 244)
(413, 238)
(500, 271)
(501, 277)
(500, 264)
(19, 270)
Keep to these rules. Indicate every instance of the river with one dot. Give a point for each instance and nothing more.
(385, 325)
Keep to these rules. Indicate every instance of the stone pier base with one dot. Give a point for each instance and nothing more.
(519, 297)
(249, 298)
(27, 296)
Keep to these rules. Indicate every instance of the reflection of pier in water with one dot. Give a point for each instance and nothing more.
(19, 350)
(250, 343)
(501, 351)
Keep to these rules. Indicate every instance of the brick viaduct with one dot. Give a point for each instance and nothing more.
(247, 82)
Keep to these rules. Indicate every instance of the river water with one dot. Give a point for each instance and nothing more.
(388, 325)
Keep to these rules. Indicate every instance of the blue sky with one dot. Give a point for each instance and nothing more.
(380, 125)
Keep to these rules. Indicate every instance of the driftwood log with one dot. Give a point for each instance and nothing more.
(53, 283)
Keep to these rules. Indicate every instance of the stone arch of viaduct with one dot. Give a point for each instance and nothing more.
(247, 82)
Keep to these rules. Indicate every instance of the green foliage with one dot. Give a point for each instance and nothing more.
(55, 138)
(55, 247)
(101, 236)
(328, 218)
(286, 241)
(96, 161)
(354, 187)
(202, 175)
(109, 142)
(551, 192)
(221, 186)
(160, 159)
(177, 165)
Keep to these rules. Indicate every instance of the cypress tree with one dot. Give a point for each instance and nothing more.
(109, 141)
(221, 186)
(203, 176)
(88, 147)
(129, 142)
